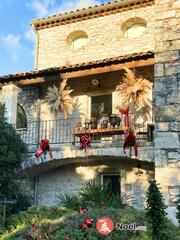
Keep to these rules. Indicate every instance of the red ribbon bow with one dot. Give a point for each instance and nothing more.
(84, 142)
(130, 141)
(44, 146)
(125, 111)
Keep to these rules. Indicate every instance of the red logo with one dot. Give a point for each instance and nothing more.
(105, 226)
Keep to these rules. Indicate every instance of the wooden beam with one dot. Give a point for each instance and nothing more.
(111, 68)
(35, 80)
(31, 81)
(80, 73)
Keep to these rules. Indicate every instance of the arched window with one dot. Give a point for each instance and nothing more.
(134, 31)
(21, 120)
(134, 27)
(77, 39)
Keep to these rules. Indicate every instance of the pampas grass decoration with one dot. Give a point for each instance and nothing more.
(60, 99)
(135, 90)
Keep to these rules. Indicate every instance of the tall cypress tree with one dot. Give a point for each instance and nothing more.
(11, 154)
(178, 210)
(155, 210)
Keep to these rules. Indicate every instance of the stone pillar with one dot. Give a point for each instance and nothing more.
(116, 101)
(167, 100)
(10, 93)
(84, 103)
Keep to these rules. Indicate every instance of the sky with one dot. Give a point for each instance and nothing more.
(16, 36)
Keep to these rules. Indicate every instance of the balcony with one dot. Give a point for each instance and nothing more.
(106, 141)
(68, 131)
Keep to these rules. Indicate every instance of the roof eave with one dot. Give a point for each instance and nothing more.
(85, 11)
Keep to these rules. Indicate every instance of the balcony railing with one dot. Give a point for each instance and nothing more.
(69, 131)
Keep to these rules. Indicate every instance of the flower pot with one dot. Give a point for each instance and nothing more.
(114, 121)
(104, 121)
(93, 123)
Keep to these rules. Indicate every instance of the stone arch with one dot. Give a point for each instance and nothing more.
(136, 14)
(21, 117)
(134, 23)
(78, 35)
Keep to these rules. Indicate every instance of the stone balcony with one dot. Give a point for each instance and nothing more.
(106, 141)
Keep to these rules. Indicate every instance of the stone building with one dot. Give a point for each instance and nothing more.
(90, 48)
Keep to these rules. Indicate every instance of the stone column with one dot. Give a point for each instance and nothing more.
(167, 100)
(10, 93)
(116, 101)
(84, 102)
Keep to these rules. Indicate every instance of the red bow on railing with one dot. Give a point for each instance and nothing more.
(130, 141)
(125, 111)
(43, 147)
(84, 142)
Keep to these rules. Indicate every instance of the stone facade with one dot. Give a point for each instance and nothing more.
(105, 39)
(166, 99)
(65, 172)
(69, 178)
(28, 99)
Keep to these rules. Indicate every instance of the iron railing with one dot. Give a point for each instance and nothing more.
(63, 131)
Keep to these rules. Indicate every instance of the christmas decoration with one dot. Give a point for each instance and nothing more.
(155, 210)
(135, 90)
(82, 211)
(60, 99)
(84, 142)
(84, 226)
(130, 141)
(87, 224)
(105, 226)
(43, 148)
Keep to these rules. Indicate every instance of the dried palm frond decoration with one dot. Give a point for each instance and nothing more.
(60, 99)
(135, 90)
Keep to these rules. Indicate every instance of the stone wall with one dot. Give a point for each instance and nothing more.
(68, 179)
(105, 39)
(167, 100)
(28, 99)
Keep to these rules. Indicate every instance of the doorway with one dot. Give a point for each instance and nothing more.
(113, 183)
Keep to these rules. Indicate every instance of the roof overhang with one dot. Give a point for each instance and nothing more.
(79, 70)
(91, 12)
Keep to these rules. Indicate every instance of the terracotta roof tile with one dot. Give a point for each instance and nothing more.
(76, 67)
(85, 13)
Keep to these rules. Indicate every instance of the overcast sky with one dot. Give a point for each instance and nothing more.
(16, 36)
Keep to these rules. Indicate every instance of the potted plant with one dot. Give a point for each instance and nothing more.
(103, 117)
(93, 123)
(114, 120)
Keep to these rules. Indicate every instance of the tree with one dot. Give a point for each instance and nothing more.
(11, 153)
(155, 210)
(178, 209)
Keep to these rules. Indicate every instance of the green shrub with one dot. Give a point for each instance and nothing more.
(61, 224)
(155, 211)
(70, 201)
(170, 232)
(93, 192)
(178, 210)
(35, 214)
